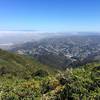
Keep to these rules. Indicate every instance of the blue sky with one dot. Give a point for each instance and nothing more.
(50, 15)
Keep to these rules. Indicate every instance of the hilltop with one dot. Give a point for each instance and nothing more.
(72, 84)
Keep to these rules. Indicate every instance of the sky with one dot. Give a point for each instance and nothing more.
(50, 15)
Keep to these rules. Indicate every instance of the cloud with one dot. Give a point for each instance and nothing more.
(12, 33)
(16, 36)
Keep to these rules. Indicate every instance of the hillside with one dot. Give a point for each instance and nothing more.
(72, 84)
(19, 66)
(23, 78)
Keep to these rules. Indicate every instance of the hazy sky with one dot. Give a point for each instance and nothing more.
(50, 15)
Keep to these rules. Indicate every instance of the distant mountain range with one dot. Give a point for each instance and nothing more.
(63, 51)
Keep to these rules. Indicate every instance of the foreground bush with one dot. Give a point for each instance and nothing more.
(73, 84)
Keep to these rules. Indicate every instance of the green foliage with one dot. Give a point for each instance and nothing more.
(20, 66)
(40, 73)
(78, 84)
(22, 78)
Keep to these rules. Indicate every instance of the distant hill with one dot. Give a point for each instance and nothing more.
(63, 51)
(20, 66)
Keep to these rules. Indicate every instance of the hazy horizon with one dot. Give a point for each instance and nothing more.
(21, 36)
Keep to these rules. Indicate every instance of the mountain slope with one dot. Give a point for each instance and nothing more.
(72, 84)
(23, 78)
(18, 65)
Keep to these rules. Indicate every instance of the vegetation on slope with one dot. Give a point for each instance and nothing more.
(19, 66)
(81, 83)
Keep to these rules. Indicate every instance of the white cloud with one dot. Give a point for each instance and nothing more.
(10, 33)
